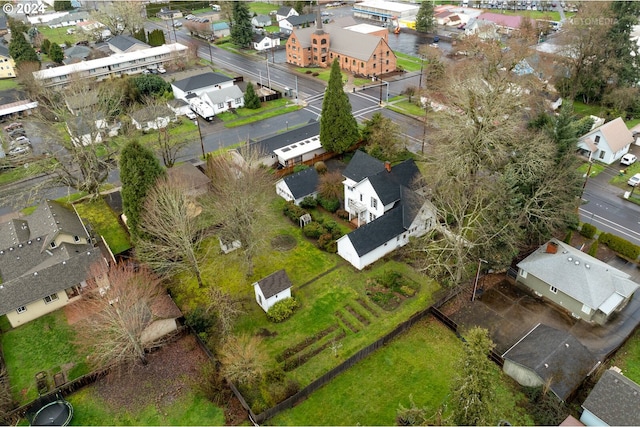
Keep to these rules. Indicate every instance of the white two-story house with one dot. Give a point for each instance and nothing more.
(385, 203)
(606, 143)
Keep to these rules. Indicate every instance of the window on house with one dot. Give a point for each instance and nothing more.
(387, 62)
(374, 56)
(354, 62)
(602, 154)
(371, 217)
(597, 139)
(361, 197)
(374, 203)
(76, 238)
(21, 310)
(238, 100)
(374, 65)
(259, 299)
(387, 53)
(221, 105)
(331, 55)
(346, 60)
(553, 289)
(50, 298)
(315, 57)
(323, 41)
(586, 309)
(315, 49)
(293, 41)
(314, 41)
(362, 65)
(523, 273)
(52, 244)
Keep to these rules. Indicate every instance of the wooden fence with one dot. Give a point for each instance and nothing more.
(317, 158)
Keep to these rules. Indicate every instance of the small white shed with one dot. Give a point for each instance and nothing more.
(272, 289)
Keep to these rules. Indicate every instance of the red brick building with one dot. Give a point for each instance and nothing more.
(360, 53)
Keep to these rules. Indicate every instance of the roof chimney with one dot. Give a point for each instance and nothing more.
(387, 166)
(552, 248)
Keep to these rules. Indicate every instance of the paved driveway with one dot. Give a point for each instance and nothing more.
(509, 311)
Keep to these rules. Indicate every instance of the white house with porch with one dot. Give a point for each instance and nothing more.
(224, 99)
(386, 204)
(606, 143)
(273, 288)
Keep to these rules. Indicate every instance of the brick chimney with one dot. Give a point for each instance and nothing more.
(387, 166)
(552, 248)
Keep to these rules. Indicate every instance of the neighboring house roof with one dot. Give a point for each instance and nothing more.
(220, 96)
(554, 355)
(177, 103)
(3, 21)
(615, 399)
(344, 42)
(274, 283)
(188, 174)
(260, 37)
(583, 277)
(124, 43)
(81, 101)
(345, 21)
(164, 307)
(201, 81)
(361, 166)
(509, 21)
(269, 145)
(284, 10)
(149, 114)
(4, 51)
(377, 232)
(262, 20)
(302, 183)
(296, 20)
(77, 52)
(30, 268)
(615, 133)
(219, 26)
(71, 16)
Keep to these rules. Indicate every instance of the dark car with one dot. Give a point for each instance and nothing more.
(82, 43)
(17, 132)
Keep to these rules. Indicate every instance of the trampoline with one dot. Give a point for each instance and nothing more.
(56, 413)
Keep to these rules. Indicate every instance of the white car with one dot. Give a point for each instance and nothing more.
(191, 115)
(634, 180)
(21, 140)
(161, 70)
(628, 159)
(22, 149)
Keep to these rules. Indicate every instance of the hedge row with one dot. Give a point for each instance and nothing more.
(588, 230)
(620, 245)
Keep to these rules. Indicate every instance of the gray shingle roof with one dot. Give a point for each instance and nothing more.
(30, 269)
(554, 355)
(615, 399)
(148, 114)
(223, 95)
(362, 166)
(344, 42)
(262, 20)
(296, 20)
(201, 81)
(302, 183)
(387, 184)
(123, 43)
(274, 283)
(581, 276)
(4, 51)
(188, 174)
(269, 145)
(284, 10)
(379, 231)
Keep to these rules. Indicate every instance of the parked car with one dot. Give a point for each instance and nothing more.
(21, 140)
(21, 149)
(191, 115)
(161, 70)
(13, 126)
(82, 43)
(17, 132)
(628, 159)
(634, 180)
(177, 25)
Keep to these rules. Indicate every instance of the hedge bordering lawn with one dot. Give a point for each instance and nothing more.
(620, 245)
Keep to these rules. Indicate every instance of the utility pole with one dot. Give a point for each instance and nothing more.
(200, 133)
(475, 283)
(380, 77)
(268, 74)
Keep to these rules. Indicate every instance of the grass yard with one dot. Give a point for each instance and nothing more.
(16, 174)
(105, 222)
(59, 35)
(406, 107)
(244, 116)
(262, 8)
(44, 344)
(408, 62)
(627, 358)
(596, 168)
(631, 123)
(621, 179)
(6, 84)
(536, 14)
(583, 109)
(419, 363)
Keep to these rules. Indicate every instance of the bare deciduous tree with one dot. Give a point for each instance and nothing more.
(121, 310)
(172, 235)
(225, 308)
(122, 16)
(242, 189)
(166, 146)
(243, 358)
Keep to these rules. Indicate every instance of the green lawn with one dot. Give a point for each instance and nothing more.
(596, 168)
(419, 363)
(408, 62)
(6, 84)
(243, 116)
(89, 409)
(627, 358)
(621, 179)
(583, 109)
(59, 35)
(105, 222)
(261, 8)
(44, 344)
(12, 175)
(631, 123)
(535, 14)
(406, 107)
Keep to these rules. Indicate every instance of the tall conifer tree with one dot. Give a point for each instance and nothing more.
(338, 127)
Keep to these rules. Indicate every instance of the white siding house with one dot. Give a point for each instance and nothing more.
(265, 42)
(294, 188)
(607, 143)
(273, 288)
(224, 99)
(150, 118)
(200, 84)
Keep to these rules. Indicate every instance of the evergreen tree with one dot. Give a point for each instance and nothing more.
(338, 127)
(46, 44)
(21, 50)
(141, 35)
(60, 5)
(424, 18)
(241, 33)
(156, 38)
(139, 171)
(56, 54)
(624, 56)
(472, 390)
(251, 99)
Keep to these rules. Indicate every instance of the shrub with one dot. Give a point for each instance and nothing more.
(331, 205)
(282, 310)
(313, 230)
(568, 237)
(320, 167)
(324, 240)
(276, 375)
(390, 279)
(331, 247)
(212, 384)
(309, 202)
(199, 320)
(308, 72)
(593, 249)
(293, 212)
(621, 246)
(315, 74)
(298, 168)
(588, 230)
(343, 214)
